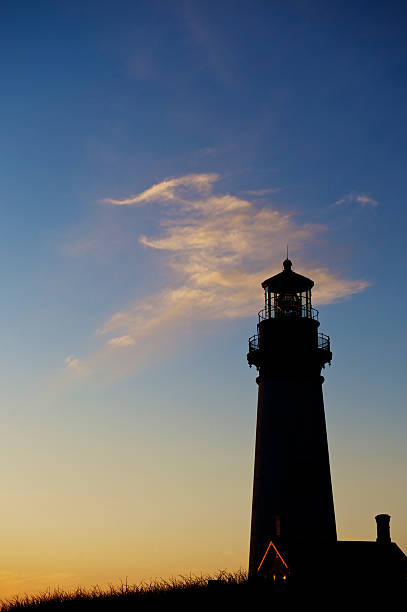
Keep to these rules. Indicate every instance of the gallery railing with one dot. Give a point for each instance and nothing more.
(297, 312)
(324, 342)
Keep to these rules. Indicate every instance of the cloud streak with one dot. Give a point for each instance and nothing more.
(357, 198)
(170, 190)
(75, 365)
(219, 248)
(263, 192)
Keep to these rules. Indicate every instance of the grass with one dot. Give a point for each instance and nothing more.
(188, 592)
(226, 591)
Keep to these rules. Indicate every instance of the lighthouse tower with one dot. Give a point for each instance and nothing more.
(293, 509)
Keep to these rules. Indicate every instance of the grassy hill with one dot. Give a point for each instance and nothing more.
(180, 593)
(224, 592)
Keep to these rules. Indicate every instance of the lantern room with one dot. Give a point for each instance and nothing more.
(288, 294)
(287, 321)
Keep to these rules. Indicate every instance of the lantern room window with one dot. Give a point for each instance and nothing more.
(288, 305)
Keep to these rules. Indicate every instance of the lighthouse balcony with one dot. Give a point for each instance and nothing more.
(298, 311)
(254, 356)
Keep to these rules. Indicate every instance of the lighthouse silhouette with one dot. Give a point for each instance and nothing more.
(293, 508)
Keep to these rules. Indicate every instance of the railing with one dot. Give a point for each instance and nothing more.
(254, 343)
(300, 312)
(324, 342)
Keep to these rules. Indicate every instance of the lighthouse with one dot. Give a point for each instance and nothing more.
(292, 510)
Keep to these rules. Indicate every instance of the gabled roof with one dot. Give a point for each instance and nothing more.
(371, 553)
(357, 558)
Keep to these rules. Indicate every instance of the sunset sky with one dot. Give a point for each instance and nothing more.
(156, 159)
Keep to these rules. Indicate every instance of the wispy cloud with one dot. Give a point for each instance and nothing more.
(209, 39)
(214, 151)
(170, 190)
(217, 248)
(357, 198)
(75, 365)
(263, 192)
(220, 247)
(120, 341)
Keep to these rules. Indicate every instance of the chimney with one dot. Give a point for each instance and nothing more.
(383, 528)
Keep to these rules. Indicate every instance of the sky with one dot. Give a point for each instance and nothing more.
(156, 159)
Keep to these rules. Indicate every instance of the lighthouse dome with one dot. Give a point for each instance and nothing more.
(287, 281)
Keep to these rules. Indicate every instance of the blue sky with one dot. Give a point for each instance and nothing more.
(128, 408)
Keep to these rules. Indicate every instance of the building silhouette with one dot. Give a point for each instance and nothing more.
(293, 530)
